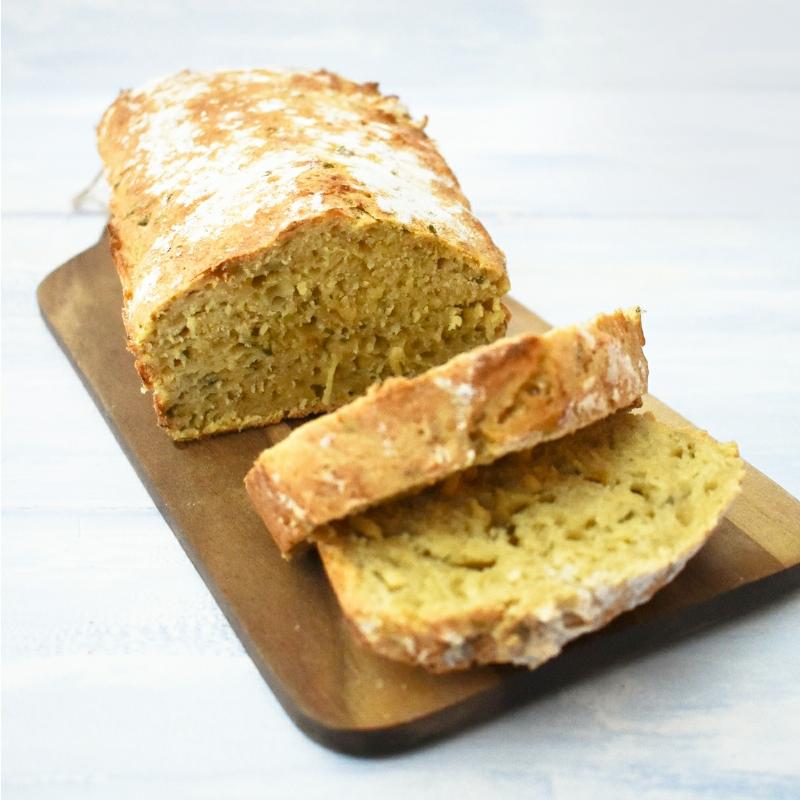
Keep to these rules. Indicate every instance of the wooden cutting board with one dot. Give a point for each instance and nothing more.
(285, 614)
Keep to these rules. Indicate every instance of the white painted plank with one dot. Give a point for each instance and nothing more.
(639, 44)
(53, 436)
(542, 153)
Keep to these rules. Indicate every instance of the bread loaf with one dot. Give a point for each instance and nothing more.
(284, 240)
(509, 561)
(477, 407)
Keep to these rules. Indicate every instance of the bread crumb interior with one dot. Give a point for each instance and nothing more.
(312, 324)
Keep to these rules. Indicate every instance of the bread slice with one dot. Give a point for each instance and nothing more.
(284, 240)
(508, 562)
(472, 410)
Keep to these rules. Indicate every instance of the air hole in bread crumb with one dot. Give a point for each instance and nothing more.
(479, 564)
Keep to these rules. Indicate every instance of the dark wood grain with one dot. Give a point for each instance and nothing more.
(285, 614)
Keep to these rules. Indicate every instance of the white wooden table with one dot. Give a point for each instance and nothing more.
(620, 152)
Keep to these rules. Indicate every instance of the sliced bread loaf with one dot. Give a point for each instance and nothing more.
(409, 433)
(284, 240)
(508, 562)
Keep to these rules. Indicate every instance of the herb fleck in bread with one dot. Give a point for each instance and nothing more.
(284, 240)
(409, 433)
(509, 561)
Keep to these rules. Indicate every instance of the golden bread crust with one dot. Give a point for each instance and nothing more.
(410, 433)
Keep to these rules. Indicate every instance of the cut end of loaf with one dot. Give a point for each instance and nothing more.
(510, 561)
(263, 222)
(310, 324)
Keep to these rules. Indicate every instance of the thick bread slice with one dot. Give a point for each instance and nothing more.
(406, 434)
(509, 561)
